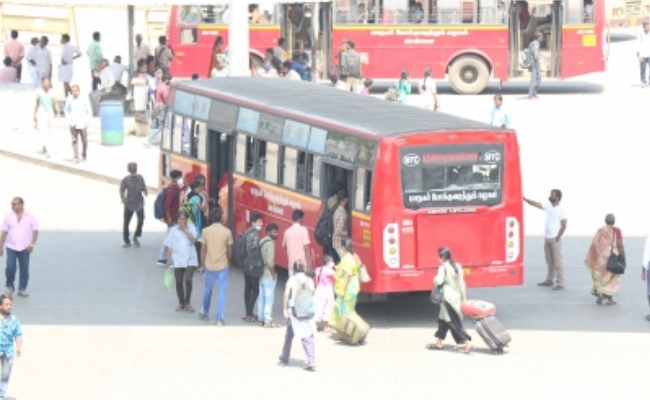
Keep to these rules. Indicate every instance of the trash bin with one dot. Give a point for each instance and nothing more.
(111, 114)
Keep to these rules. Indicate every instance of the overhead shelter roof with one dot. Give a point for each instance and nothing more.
(141, 3)
(331, 106)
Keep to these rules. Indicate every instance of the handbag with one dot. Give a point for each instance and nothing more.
(364, 276)
(437, 295)
(614, 264)
(170, 280)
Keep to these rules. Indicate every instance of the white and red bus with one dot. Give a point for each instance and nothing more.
(469, 42)
(416, 180)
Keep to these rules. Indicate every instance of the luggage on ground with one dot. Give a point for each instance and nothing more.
(478, 309)
(352, 328)
(493, 334)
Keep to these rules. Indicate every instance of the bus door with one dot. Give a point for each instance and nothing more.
(335, 175)
(526, 19)
(220, 160)
(310, 23)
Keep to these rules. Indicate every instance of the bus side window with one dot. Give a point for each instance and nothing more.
(189, 36)
(268, 161)
(198, 142)
(362, 190)
(167, 131)
(301, 173)
(313, 175)
(242, 154)
(289, 167)
(186, 137)
(177, 134)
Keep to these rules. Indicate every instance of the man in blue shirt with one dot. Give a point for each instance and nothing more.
(10, 332)
(499, 116)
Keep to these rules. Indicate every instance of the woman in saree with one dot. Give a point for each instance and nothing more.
(217, 50)
(450, 275)
(346, 285)
(608, 239)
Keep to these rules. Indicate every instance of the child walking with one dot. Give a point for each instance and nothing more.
(324, 276)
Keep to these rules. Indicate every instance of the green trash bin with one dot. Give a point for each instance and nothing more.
(111, 114)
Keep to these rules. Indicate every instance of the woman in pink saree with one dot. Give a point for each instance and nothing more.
(608, 239)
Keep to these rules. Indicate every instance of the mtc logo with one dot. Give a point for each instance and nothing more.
(411, 160)
(492, 157)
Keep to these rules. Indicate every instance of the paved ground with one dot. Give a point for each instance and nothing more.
(99, 325)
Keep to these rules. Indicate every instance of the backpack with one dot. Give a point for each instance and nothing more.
(325, 226)
(159, 205)
(254, 263)
(304, 306)
(239, 252)
(526, 59)
(353, 64)
(391, 93)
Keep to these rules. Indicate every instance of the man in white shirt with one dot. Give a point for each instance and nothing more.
(69, 53)
(78, 113)
(556, 222)
(43, 59)
(141, 51)
(644, 270)
(31, 61)
(289, 73)
(106, 77)
(643, 52)
(117, 69)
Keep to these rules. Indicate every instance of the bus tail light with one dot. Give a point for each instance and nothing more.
(391, 245)
(513, 246)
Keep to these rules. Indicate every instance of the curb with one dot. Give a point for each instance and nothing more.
(68, 169)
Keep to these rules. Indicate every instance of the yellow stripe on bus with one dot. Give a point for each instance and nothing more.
(250, 27)
(177, 157)
(276, 188)
(577, 27)
(357, 214)
(419, 27)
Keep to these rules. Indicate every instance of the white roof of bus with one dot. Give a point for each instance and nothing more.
(329, 106)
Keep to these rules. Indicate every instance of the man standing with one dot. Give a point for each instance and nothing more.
(172, 204)
(163, 55)
(16, 52)
(141, 51)
(643, 52)
(20, 231)
(43, 59)
(69, 53)
(31, 62)
(78, 113)
(535, 76)
(117, 69)
(252, 284)
(95, 57)
(352, 68)
(499, 116)
(296, 241)
(269, 277)
(133, 191)
(556, 221)
(216, 257)
(10, 332)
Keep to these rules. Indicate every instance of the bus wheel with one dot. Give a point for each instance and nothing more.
(469, 75)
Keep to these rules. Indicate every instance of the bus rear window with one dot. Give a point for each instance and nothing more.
(452, 175)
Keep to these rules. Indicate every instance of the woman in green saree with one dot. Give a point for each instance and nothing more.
(346, 286)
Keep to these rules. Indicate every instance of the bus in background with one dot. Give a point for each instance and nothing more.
(415, 182)
(469, 42)
(627, 13)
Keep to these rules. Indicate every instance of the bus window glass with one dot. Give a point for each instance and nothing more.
(488, 12)
(186, 137)
(359, 190)
(167, 131)
(199, 145)
(574, 12)
(452, 175)
(206, 14)
(394, 12)
(269, 161)
(289, 167)
(356, 12)
(313, 176)
(301, 174)
(455, 11)
(177, 134)
(189, 36)
(261, 14)
(241, 154)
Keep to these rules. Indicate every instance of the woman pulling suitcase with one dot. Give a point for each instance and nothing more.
(450, 275)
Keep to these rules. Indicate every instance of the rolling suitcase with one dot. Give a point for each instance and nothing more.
(493, 334)
(478, 309)
(352, 328)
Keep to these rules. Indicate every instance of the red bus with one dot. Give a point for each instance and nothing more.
(416, 180)
(469, 42)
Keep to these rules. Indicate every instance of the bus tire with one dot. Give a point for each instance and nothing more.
(469, 75)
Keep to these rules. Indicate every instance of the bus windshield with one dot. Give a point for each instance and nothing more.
(452, 175)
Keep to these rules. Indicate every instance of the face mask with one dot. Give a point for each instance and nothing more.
(258, 227)
(180, 182)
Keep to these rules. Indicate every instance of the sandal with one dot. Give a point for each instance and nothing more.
(433, 346)
(180, 307)
(610, 302)
(468, 348)
(189, 308)
(599, 301)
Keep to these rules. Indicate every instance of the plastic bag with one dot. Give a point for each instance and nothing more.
(170, 281)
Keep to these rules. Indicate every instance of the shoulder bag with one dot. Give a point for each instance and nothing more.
(614, 264)
(437, 292)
